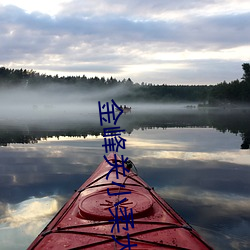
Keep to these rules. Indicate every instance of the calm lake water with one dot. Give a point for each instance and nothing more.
(197, 160)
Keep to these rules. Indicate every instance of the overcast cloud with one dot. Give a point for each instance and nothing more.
(160, 41)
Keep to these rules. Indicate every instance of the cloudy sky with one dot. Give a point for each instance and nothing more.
(157, 41)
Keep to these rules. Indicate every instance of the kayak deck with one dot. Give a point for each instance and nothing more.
(87, 220)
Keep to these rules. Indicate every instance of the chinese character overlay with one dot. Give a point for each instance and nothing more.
(109, 132)
(115, 166)
(125, 218)
(105, 112)
(124, 245)
(112, 142)
(109, 144)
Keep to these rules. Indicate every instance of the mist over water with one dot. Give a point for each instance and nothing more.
(191, 156)
(59, 109)
(60, 102)
(55, 102)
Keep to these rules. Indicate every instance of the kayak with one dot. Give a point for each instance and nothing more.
(116, 209)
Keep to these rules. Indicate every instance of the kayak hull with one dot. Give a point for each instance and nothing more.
(87, 220)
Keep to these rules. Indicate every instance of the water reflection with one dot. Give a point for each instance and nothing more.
(193, 161)
(29, 210)
(19, 222)
(233, 121)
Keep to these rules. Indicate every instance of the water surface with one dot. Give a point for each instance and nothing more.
(193, 158)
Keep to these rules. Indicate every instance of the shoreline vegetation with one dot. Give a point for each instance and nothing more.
(26, 132)
(224, 95)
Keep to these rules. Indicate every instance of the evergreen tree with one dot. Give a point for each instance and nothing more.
(246, 69)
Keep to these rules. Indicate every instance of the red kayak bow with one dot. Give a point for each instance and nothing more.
(116, 209)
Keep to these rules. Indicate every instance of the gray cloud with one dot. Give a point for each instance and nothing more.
(106, 40)
(205, 30)
(224, 31)
(85, 68)
(133, 8)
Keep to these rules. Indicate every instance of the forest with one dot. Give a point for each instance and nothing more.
(224, 93)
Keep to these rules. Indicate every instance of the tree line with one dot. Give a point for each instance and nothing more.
(236, 91)
(235, 122)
